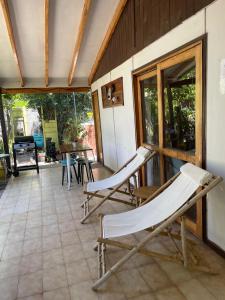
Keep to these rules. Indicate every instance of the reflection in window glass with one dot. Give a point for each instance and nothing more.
(150, 110)
(1, 141)
(172, 167)
(153, 171)
(179, 106)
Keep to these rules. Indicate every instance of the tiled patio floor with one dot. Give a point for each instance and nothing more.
(47, 254)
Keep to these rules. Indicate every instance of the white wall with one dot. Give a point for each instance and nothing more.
(118, 125)
(124, 115)
(210, 20)
(215, 26)
(107, 126)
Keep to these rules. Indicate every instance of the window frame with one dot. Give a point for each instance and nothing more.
(190, 52)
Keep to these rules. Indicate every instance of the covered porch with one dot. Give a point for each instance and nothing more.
(150, 76)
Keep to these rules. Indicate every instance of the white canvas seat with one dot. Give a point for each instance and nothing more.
(141, 155)
(161, 207)
(115, 181)
(191, 184)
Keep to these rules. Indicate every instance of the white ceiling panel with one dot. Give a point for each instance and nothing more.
(64, 19)
(8, 68)
(28, 24)
(100, 17)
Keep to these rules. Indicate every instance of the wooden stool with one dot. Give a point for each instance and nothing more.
(143, 192)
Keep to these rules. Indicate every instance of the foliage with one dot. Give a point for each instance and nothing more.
(180, 120)
(8, 104)
(70, 109)
(1, 146)
(179, 112)
(73, 132)
(151, 114)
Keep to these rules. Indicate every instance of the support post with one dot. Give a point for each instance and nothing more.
(4, 133)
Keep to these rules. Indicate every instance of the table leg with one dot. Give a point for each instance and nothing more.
(68, 170)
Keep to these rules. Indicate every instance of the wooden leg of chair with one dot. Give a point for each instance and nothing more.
(99, 261)
(101, 252)
(183, 242)
(99, 204)
(86, 211)
(86, 207)
(89, 197)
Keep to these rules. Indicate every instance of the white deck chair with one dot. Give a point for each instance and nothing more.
(190, 185)
(116, 181)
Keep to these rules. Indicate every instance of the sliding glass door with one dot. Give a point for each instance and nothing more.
(169, 119)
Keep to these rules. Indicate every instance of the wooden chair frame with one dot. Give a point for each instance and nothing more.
(90, 195)
(180, 257)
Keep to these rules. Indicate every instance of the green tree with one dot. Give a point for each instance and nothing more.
(8, 104)
(70, 108)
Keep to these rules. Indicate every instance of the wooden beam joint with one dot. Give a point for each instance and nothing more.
(5, 9)
(106, 40)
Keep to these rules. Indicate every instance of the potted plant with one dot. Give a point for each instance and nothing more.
(74, 133)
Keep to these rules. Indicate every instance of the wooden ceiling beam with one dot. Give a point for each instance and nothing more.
(46, 40)
(41, 90)
(108, 35)
(8, 22)
(84, 17)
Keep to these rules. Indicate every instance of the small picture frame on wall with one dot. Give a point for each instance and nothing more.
(112, 93)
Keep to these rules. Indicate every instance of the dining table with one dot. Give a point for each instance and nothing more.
(67, 149)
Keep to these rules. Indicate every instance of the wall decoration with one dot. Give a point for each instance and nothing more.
(112, 93)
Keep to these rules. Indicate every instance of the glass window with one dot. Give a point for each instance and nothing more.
(150, 110)
(172, 167)
(1, 141)
(153, 171)
(179, 106)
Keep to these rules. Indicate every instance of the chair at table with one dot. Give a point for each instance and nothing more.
(72, 165)
(83, 166)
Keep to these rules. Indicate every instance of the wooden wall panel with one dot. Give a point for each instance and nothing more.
(121, 45)
(151, 21)
(141, 23)
(138, 29)
(164, 15)
(190, 8)
(177, 12)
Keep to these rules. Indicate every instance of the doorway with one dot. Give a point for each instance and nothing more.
(97, 122)
(169, 116)
(51, 119)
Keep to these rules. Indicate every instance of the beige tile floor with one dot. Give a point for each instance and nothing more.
(47, 254)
